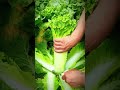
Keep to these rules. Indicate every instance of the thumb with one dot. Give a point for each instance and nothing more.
(64, 77)
(58, 39)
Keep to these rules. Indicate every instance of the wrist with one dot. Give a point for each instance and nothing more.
(75, 37)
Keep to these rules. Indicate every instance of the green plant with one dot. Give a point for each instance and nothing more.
(56, 19)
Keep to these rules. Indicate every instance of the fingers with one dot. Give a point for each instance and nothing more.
(62, 44)
(58, 40)
(59, 51)
(64, 77)
(74, 78)
(60, 48)
(69, 81)
(59, 45)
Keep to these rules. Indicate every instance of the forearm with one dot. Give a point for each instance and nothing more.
(80, 29)
(100, 23)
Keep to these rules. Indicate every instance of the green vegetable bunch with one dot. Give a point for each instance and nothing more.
(56, 19)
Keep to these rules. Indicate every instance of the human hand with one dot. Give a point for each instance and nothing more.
(74, 78)
(64, 44)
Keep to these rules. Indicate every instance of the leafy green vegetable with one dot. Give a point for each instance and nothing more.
(44, 61)
(56, 19)
(75, 54)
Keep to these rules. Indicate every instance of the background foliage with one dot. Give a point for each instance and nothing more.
(16, 49)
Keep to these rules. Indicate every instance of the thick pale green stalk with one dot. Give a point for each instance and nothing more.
(60, 61)
(50, 81)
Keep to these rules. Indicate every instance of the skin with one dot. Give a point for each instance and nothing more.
(100, 23)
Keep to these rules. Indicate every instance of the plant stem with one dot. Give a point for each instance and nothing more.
(60, 61)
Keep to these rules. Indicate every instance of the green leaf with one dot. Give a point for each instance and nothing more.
(44, 61)
(75, 54)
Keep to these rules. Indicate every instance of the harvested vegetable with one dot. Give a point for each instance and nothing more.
(57, 19)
